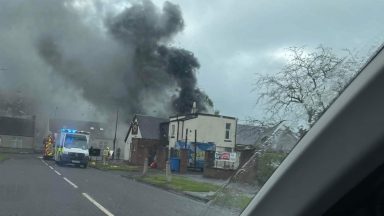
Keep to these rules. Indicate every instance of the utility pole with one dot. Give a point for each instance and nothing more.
(195, 147)
(186, 138)
(114, 139)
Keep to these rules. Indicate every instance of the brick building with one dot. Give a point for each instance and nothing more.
(146, 137)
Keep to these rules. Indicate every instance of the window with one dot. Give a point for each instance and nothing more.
(135, 128)
(75, 141)
(173, 131)
(227, 129)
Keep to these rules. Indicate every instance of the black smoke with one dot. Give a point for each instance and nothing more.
(134, 68)
(148, 31)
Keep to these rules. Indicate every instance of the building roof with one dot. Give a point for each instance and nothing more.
(17, 126)
(283, 139)
(277, 137)
(248, 134)
(195, 115)
(97, 130)
(151, 127)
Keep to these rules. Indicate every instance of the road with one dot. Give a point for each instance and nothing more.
(32, 186)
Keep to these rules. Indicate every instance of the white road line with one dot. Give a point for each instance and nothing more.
(97, 204)
(71, 183)
(57, 172)
(50, 167)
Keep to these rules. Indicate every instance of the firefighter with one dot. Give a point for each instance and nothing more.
(105, 155)
(118, 153)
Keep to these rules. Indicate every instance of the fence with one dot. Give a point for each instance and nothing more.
(17, 134)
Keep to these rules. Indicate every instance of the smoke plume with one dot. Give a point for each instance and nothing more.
(85, 59)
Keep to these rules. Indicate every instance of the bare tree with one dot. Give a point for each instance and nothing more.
(306, 85)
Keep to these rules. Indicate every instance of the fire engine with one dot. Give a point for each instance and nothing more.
(48, 149)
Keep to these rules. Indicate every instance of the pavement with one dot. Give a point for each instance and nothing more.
(32, 186)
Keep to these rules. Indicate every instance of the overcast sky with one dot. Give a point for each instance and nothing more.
(234, 39)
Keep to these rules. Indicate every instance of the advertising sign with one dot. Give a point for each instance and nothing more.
(229, 156)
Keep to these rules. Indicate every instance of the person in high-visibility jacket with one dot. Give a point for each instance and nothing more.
(105, 155)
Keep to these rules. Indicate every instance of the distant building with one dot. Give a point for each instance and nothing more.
(279, 138)
(247, 136)
(146, 135)
(17, 134)
(275, 138)
(101, 135)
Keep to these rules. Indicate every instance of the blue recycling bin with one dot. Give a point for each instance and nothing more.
(175, 164)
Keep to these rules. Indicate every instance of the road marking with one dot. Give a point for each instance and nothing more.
(50, 167)
(71, 183)
(97, 204)
(57, 172)
(40, 157)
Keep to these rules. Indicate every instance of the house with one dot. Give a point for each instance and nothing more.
(145, 137)
(17, 133)
(101, 134)
(247, 136)
(203, 128)
(276, 138)
(199, 132)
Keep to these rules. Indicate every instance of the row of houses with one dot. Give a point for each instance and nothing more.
(153, 137)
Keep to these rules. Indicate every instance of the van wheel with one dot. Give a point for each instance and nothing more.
(85, 165)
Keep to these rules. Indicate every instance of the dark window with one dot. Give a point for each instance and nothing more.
(227, 129)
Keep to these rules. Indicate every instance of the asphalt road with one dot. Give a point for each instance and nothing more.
(32, 186)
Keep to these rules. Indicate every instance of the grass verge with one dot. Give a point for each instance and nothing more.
(178, 183)
(232, 199)
(118, 167)
(3, 157)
